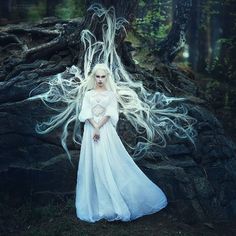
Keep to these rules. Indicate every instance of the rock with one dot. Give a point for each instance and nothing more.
(194, 193)
(39, 179)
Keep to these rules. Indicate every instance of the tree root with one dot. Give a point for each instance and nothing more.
(34, 32)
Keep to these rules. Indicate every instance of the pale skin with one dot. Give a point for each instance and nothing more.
(101, 78)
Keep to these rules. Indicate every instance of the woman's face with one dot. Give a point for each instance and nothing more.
(101, 78)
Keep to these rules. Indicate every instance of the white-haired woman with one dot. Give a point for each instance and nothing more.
(109, 183)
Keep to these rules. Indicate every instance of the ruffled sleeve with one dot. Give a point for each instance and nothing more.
(86, 111)
(112, 109)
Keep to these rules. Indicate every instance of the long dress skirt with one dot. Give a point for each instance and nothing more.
(110, 185)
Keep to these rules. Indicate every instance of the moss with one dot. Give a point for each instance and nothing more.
(37, 11)
(131, 37)
(70, 8)
(141, 55)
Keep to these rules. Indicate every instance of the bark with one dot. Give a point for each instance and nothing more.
(168, 48)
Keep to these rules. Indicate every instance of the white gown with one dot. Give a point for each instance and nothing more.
(110, 185)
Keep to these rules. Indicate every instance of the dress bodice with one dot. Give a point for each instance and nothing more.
(98, 104)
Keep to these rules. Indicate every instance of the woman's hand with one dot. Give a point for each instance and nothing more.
(96, 134)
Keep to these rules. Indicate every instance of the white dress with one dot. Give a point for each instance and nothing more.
(110, 185)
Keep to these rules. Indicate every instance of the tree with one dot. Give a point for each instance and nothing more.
(168, 48)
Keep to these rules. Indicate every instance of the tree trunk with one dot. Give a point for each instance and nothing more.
(168, 48)
(194, 34)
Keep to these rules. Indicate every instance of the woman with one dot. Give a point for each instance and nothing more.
(109, 183)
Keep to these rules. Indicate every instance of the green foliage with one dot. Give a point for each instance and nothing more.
(228, 41)
(154, 21)
(66, 10)
(213, 84)
(70, 9)
(142, 3)
(215, 8)
(37, 11)
(223, 66)
(209, 9)
(218, 25)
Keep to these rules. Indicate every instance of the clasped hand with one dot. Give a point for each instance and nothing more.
(97, 126)
(96, 134)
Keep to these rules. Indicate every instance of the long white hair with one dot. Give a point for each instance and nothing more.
(148, 112)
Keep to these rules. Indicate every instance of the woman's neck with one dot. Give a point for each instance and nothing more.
(100, 89)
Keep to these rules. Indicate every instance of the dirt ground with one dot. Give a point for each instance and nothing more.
(60, 220)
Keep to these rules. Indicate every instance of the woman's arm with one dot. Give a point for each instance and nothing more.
(100, 124)
(97, 126)
(93, 123)
(96, 133)
(103, 121)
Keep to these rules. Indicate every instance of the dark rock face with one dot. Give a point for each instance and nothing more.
(200, 185)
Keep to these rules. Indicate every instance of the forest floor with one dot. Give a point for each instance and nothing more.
(60, 220)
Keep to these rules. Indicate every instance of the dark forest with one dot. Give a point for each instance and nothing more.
(178, 47)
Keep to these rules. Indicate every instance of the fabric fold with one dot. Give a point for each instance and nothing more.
(86, 110)
(112, 109)
(109, 183)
